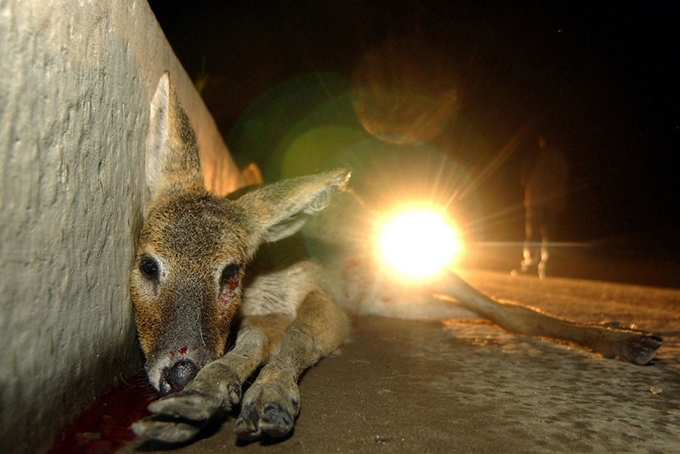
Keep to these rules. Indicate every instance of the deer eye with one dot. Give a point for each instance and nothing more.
(148, 267)
(229, 283)
(230, 271)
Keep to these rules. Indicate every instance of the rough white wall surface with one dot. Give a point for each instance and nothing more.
(75, 83)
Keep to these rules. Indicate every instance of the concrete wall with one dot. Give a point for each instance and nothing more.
(75, 83)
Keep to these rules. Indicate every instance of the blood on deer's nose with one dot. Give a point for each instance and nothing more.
(177, 377)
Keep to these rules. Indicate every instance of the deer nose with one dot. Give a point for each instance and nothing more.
(177, 377)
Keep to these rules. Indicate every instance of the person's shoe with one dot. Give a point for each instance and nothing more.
(524, 268)
(541, 270)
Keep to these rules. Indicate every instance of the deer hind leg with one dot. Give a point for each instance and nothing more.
(630, 345)
(272, 403)
(216, 388)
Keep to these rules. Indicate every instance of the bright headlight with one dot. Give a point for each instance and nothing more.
(418, 243)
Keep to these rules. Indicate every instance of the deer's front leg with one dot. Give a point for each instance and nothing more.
(216, 388)
(272, 403)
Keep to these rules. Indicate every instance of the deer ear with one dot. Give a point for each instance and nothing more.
(172, 160)
(281, 209)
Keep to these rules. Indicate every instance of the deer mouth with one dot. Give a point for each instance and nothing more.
(172, 371)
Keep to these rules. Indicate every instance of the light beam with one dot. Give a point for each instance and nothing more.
(418, 243)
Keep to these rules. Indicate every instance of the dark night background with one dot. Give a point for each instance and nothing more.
(600, 76)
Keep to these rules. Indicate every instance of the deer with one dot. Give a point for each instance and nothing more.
(209, 267)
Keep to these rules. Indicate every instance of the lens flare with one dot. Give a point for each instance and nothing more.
(418, 243)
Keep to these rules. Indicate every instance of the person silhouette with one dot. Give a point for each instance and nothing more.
(544, 178)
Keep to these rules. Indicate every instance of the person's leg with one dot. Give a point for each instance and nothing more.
(542, 265)
(547, 227)
(529, 246)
